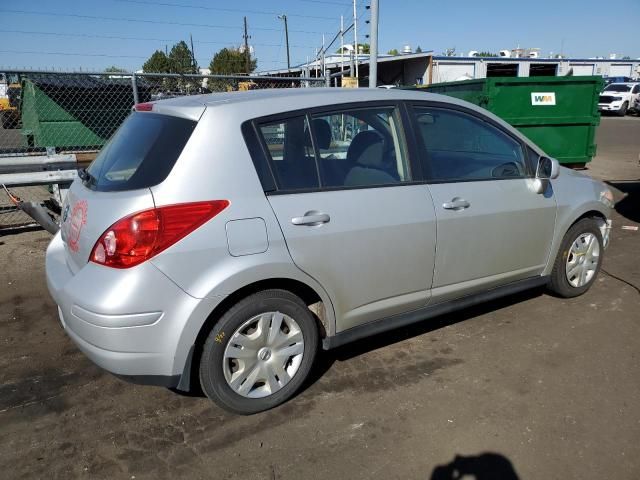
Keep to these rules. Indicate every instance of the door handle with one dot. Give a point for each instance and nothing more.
(456, 204)
(311, 219)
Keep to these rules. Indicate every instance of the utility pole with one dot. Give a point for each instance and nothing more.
(193, 56)
(324, 70)
(341, 47)
(247, 54)
(355, 37)
(286, 36)
(373, 49)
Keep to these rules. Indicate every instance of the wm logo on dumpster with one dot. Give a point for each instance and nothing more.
(543, 98)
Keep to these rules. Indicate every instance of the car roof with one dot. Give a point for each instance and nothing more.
(628, 84)
(301, 96)
(277, 100)
(273, 101)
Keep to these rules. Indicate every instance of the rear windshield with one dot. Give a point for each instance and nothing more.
(140, 154)
(618, 88)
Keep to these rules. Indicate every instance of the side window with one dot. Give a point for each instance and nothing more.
(290, 153)
(460, 147)
(636, 89)
(360, 147)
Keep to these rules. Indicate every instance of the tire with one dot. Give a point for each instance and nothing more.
(270, 377)
(623, 109)
(574, 252)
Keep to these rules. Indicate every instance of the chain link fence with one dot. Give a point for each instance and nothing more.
(75, 113)
(45, 112)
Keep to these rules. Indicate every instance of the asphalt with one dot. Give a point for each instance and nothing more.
(528, 387)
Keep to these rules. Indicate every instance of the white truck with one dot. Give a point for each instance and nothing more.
(619, 98)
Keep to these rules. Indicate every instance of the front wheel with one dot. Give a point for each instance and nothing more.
(579, 259)
(623, 109)
(259, 353)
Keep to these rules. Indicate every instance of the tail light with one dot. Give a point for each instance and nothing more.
(143, 107)
(140, 236)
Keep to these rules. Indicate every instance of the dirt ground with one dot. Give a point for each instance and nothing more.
(527, 387)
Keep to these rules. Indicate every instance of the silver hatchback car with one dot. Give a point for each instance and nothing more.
(222, 239)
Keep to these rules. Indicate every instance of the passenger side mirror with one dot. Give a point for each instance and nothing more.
(547, 169)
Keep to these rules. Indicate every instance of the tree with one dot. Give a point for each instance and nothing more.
(181, 59)
(626, 57)
(487, 54)
(230, 61)
(393, 51)
(157, 63)
(114, 69)
(418, 49)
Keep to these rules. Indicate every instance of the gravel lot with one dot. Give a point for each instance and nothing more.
(527, 387)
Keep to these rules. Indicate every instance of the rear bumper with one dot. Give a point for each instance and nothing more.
(135, 323)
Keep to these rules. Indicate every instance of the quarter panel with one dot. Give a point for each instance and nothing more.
(216, 165)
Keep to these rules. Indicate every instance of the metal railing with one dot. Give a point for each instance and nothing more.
(73, 114)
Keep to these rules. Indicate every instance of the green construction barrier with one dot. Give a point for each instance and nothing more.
(559, 114)
(74, 112)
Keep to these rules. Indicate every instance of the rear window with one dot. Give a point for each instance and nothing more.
(140, 154)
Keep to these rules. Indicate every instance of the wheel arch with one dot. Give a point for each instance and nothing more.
(305, 292)
(594, 210)
(308, 294)
(588, 214)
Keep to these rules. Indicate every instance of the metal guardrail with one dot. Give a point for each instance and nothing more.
(33, 189)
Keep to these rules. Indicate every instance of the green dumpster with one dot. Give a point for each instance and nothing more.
(74, 112)
(559, 114)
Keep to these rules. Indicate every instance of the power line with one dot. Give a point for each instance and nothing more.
(118, 37)
(326, 48)
(326, 2)
(29, 52)
(104, 55)
(138, 20)
(220, 9)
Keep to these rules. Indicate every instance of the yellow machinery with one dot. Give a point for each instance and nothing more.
(9, 100)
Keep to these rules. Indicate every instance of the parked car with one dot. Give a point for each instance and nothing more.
(619, 98)
(610, 80)
(200, 246)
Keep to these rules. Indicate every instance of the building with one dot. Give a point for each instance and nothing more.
(425, 68)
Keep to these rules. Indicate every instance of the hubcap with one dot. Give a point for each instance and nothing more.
(582, 260)
(263, 355)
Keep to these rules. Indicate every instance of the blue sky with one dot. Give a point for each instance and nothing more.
(67, 34)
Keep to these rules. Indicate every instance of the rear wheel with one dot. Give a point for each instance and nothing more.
(259, 353)
(579, 259)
